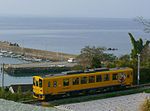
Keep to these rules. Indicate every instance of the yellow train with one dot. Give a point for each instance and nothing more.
(81, 81)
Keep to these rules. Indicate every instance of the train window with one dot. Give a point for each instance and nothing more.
(40, 83)
(49, 84)
(98, 78)
(75, 81)
(114, 77)
(106, 77)
(128, 76)
(91, 79)
(37, 84)
(55, 84)
(83, 80)
(66, 82)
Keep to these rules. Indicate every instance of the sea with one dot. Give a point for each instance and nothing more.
(67, 35)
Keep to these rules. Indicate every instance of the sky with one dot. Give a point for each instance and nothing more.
(76, 8)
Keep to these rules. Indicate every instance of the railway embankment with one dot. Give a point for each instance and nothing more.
(34, 53)
(131, 102)
(6, 105)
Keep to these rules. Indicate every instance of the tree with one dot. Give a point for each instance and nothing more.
(125, 61)
(91, 57)
(138, 46)
(145, 57)
(125, 57)
(146, 24)
(145, 53)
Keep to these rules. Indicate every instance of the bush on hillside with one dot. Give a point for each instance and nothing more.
(146, 105)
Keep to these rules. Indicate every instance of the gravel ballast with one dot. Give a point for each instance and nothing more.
(123, 103)
(6, 105)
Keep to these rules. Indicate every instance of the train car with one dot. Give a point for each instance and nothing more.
(72, 82)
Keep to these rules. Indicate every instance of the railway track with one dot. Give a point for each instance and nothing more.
(66, 99)
(139, 86)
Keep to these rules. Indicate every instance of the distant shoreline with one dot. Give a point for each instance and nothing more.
(34, 53)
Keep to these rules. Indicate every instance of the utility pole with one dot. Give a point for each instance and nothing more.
(2, 70)
(138, 70)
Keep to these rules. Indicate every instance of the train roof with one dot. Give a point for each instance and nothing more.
(85, 71)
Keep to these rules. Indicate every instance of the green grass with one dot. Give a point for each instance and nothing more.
(147, 90)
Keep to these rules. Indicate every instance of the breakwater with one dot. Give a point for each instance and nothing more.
(32, 69)
(34, 53)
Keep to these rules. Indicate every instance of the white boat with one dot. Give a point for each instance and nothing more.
(71, 60)
(10, 52)
(27, 59)
(3, 51)
(61, 65)
(37, 60)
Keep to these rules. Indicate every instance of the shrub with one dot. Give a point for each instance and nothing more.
(144, 75)
(19, 96)
(146, 105)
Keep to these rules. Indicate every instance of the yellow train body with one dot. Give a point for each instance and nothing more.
(83, 81)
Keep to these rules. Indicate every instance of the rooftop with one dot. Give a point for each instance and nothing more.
(85, 71)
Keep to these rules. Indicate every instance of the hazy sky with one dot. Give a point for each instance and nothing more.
(76, 8)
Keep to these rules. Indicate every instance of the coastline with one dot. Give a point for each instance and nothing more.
(34, 53)
(47, 61)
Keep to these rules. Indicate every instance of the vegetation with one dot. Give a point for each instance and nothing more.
(124, 61)
(92, 57)
(19, 96)
(145, 54)
(146, 105)
(144, 75)
(145, 57)
(146, 24)
(131, 60)
(138, 46)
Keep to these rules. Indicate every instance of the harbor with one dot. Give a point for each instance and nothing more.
(21, 72)
(35, 61)
(8, 49)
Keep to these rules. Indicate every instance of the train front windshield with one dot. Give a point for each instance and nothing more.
(37, 83)
(38, 88)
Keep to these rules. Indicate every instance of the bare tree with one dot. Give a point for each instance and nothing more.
(145, 53)
(145, 22)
